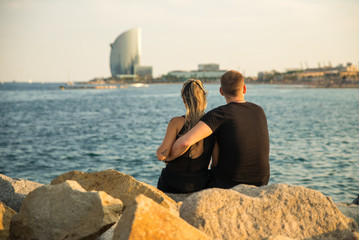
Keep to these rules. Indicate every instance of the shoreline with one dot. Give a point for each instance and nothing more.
(92, 85)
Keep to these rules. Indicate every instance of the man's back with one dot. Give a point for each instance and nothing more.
(242, 135)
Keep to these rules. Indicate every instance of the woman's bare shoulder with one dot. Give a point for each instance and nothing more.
(177, 122)
(178, 119)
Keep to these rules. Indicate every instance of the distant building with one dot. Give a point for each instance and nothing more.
(143, 72)
(126, 52)
(340, 74)
(205, 72)
(348, 72)
(179, 74)
(211, 67)
(125, 58)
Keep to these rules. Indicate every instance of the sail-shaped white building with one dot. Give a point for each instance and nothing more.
(126, 52)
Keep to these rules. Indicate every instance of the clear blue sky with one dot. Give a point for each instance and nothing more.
(61, 40)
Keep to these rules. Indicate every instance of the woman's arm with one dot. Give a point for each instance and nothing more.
(215, 154)
(173, 128)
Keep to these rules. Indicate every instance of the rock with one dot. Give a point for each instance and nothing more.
(247, 212)
(349, 210)
(352, 236)
(278, 237)
(6, 214)
(146, 220)
(178, 197)
(356, 201)
(118, 185)
(65, 211)
(108, 235)
(13, 191)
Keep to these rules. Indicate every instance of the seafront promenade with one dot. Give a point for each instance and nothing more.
(111, 205)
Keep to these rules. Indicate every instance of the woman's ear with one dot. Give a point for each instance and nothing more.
(244, 89)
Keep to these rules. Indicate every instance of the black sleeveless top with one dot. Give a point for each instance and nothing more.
(184, 174)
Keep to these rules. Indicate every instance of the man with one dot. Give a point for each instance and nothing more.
(241, 131)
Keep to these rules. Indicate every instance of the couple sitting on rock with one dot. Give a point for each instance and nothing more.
(234, 135)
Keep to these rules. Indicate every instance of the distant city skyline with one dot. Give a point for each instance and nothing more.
(59, 41)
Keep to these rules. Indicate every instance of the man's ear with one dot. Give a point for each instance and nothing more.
(221, 91)
(244, 89)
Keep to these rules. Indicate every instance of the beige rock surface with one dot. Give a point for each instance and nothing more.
(6, 214)
(246, 212)
(147, 220)
(354, 236)
(13, 191)
(65, 211)
(278, 237)
(118, 185)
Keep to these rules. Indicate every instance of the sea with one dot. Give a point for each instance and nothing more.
(46, 131)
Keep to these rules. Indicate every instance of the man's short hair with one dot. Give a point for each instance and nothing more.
(232, 83)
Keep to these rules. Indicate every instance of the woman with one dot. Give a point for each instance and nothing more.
(189, 172)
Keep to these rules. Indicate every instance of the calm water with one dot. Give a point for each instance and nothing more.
(44, 132)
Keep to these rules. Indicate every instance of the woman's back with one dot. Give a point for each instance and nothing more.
(188, 172)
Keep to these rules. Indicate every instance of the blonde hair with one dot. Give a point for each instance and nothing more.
(194, 98)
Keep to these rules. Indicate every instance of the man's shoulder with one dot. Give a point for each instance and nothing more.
(219, 108)
(254, 105)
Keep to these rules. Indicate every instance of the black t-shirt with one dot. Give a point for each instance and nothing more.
(242, 135)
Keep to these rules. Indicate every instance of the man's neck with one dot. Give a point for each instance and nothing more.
(236, 99)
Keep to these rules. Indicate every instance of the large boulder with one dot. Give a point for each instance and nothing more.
(118, 185)
(13, 191)
(247, 212)
(6, 214)
(147, 220)
(65, 211)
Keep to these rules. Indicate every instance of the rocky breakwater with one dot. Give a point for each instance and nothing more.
(110, 205)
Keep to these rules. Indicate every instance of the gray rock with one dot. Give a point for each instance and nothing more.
(178, 197)
(118, 185)
(108, 235)
(349, 210)
(13, 191)
(65, 211)
(356, 201)
(247, 212)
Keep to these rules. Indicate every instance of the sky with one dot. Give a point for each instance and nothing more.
(69, 40)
